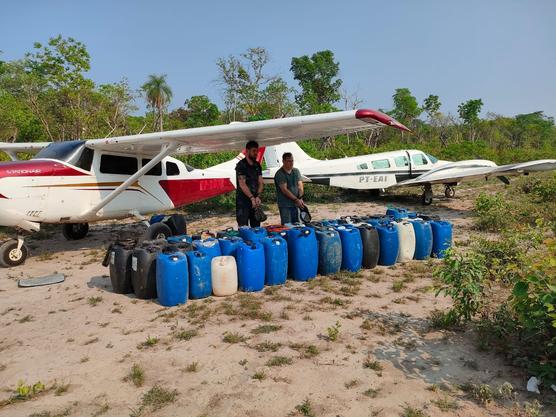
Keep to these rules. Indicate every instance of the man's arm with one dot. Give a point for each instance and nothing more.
(243, 186)
(284, 188)
(260, 188)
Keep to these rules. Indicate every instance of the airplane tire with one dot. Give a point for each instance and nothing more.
(177, 224)
(157, 231)
(75, 231)
(10, 256)
(449, 192)
(426, 198)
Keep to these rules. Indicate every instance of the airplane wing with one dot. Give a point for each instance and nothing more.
(466, 170)
(233, 136)
(13, 148)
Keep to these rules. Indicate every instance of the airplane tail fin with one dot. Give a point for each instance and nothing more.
(273, 155)
(231, 164)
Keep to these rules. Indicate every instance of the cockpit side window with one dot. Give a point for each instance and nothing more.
(401, 161)
(123, 165)
(432, 158)
(154, 171)
(419, 159)
(363, 166)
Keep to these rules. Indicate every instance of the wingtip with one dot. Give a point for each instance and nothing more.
(381, 118)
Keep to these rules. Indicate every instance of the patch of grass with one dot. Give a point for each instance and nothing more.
(233, 338)
(155, 399)
(248, 307)
(367, 324)
(60, 389)
(397, 286)
(150, 342)
(375, 365)
(267, 346)
(192, 367)
(409, 411)
(351, 384)
(243, 362)
(334, 301)
(446, 404)
(116, 310)
(306, 351)
(185, 335)
(259, 375)
(266, 328)
(305, 408)
(333, 332)
(94, 301)
(279, 361)
(443, 320)
(136, 375)
(371, 393)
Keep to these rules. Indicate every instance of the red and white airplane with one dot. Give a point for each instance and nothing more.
(79, 182)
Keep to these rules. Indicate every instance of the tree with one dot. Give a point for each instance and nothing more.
(116, 102)
(158, 94)
(469, 111)
(431, 106)
(318, 78)
(200, 111)
(249, 93)
(406, 108)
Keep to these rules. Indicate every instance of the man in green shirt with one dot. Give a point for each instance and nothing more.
(289, 190)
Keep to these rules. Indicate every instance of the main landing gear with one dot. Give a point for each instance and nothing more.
(75, 231)
(13, 252)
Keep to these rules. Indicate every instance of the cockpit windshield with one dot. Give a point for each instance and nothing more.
(73, 152)
(432, 158)
(62, 151)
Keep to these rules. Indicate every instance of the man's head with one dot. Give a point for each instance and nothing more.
(252, 149)
(287, 161)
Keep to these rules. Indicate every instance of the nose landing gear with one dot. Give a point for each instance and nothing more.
(449, 191)
(13, 252)
(426, 197)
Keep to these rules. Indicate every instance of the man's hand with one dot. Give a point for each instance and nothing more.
(256, 202)
(299, 203)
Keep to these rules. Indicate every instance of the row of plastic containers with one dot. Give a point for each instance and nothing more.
(250, 258)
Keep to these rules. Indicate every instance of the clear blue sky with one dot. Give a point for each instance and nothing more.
(503, 51)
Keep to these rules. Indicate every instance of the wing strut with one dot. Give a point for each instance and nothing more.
(165, 151)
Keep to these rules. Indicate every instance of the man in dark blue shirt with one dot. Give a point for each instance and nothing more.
(249, 180)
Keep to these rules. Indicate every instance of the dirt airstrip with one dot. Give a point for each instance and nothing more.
(351, 345)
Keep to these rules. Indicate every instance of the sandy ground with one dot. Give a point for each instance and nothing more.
(84, 339)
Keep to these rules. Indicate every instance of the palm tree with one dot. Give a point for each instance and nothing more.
(158, 94)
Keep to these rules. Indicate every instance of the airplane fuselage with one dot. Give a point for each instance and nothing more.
(51, 190)
(375, 171)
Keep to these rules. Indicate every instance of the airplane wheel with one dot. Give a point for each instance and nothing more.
(157, 231)
(449, 191)
(75, 231)
(10, 255)
(426, 198)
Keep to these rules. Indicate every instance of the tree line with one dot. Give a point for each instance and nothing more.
(47, 96)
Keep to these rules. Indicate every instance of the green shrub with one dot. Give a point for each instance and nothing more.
(492, 212)
(463, 279)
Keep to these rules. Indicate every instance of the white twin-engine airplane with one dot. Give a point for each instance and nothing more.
(78, 182)
(393, 169)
